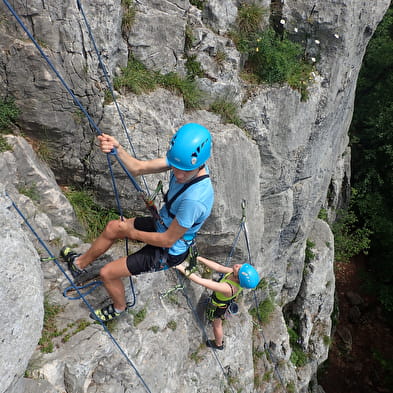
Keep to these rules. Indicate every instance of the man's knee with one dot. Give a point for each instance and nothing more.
(105, 273)
(116, 229)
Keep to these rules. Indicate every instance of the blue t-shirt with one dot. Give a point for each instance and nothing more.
(191, 209)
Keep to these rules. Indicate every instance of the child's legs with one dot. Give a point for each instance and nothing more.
(218, 331)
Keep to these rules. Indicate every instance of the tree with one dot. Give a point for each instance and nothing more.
(372, 152)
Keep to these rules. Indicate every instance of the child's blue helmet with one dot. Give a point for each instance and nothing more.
(248, 276)
(190, 147)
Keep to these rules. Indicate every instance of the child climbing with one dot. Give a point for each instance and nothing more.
(224, 293)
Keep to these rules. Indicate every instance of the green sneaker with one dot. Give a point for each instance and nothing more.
(105, 314)
(69, 256)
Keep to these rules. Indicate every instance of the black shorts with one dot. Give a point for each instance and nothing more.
(150, 258)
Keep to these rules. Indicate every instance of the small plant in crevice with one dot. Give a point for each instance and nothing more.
(172, 325)
(308, 253)
(129, 14)
(194, 67)
(30, 191)
(264, 311)
(249, 19)
(49, 330)
(4, 145)
(323, 215)
(227, 110)
(9, 113)
(200, 4)
(278, 60)
(298, 357)
(139, 316)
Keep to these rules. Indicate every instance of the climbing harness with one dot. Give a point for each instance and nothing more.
(192, 258)
(81, 295)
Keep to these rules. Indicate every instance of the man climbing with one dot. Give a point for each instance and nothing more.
(225, 292)
(188, 204)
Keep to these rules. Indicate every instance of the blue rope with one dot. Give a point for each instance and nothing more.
(77, 102)
(109, 84)
(94, 285)
(91, 121)
(82, 296)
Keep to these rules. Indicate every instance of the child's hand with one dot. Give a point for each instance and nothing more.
(181, 268)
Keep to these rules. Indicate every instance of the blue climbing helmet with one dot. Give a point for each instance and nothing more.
(248, 276)
(190, 147)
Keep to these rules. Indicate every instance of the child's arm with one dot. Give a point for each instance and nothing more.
(214, 265)
(222, 287)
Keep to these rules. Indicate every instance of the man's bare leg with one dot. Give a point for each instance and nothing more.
(111, 275)
(116, 229)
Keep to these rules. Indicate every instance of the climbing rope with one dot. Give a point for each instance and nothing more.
(243, 228)
(81, 295)
(181, 280)
(109, 84)
(144, 195)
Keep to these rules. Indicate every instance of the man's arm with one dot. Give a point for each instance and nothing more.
(160, 239)
(135, 166)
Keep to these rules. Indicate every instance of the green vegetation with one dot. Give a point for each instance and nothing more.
(372, 158)
(194, 67)
(77, 327)
(129, 13)
(43, 151)
(291, 387)
(272, 57)
(309, 254)
(138, 79)
(387, 368)
(49, 330)
(31, 192)
(139, 316)
(4, 145)
(298, 357)
(249, 19)
(8, 114)
(196, 356)
(323, 215)
(92, 216)
(198, 3)
(227, 110)
(264, 310)
(154, 329)
(350, 238)
(172, 325)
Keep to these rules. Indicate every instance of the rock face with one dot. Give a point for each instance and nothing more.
(21, 295)
(284, 161)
